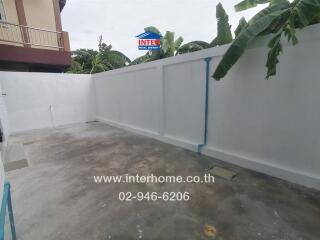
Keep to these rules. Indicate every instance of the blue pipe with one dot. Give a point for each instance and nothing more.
(207, 61)
(6, 203)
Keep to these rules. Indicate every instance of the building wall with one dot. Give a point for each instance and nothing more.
(12, 17)
(38, 14)
(11, 11)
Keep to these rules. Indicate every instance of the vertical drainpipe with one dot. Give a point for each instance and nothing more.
(200, 146)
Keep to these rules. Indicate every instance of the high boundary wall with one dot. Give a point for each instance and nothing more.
(271, 126)
(44, 100)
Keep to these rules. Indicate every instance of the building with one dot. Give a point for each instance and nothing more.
(31, 36)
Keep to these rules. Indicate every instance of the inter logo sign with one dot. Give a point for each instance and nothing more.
(149, 41)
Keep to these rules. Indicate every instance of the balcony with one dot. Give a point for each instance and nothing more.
(30, 45)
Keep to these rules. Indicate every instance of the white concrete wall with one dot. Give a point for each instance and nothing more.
(163, 101)
(4, 115)
(40, 100)
(272, 126)
(131, 99)
(6, 132)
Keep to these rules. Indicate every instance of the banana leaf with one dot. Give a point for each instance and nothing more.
(255, 26)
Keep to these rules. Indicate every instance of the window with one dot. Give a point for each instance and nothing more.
(2, 12)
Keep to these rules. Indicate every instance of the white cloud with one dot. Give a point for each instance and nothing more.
(119, 21)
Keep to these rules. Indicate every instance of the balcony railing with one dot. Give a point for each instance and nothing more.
(30, 36)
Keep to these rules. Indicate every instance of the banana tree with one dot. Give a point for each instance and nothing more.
(76, 68)
(281, 18)
(224, 28)
(111, 59)
(92, 61)
(168, 47)
(82, 60)
(98, 65)
(224, 35)
(193, 46)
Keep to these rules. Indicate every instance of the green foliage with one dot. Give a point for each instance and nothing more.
(258, 23)
(76, 68)
(92, 61)
(224, 29)
(242, 25)
(246, 4)
(193, 46)
(152, 29)
(304, 12)
(99, 64)
(280, 17)
(84, 58)
(142, 59)
(275, 50)
(224, 35)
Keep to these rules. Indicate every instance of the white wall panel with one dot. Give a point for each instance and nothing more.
(39, 100)
(184, 87)
(271, 122)
(130, 98)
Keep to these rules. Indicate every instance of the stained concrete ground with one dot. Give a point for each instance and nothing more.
(56, 197)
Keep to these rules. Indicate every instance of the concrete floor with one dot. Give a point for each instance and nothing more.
(56, 197)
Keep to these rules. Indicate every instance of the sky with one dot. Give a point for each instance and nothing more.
(119, 21)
